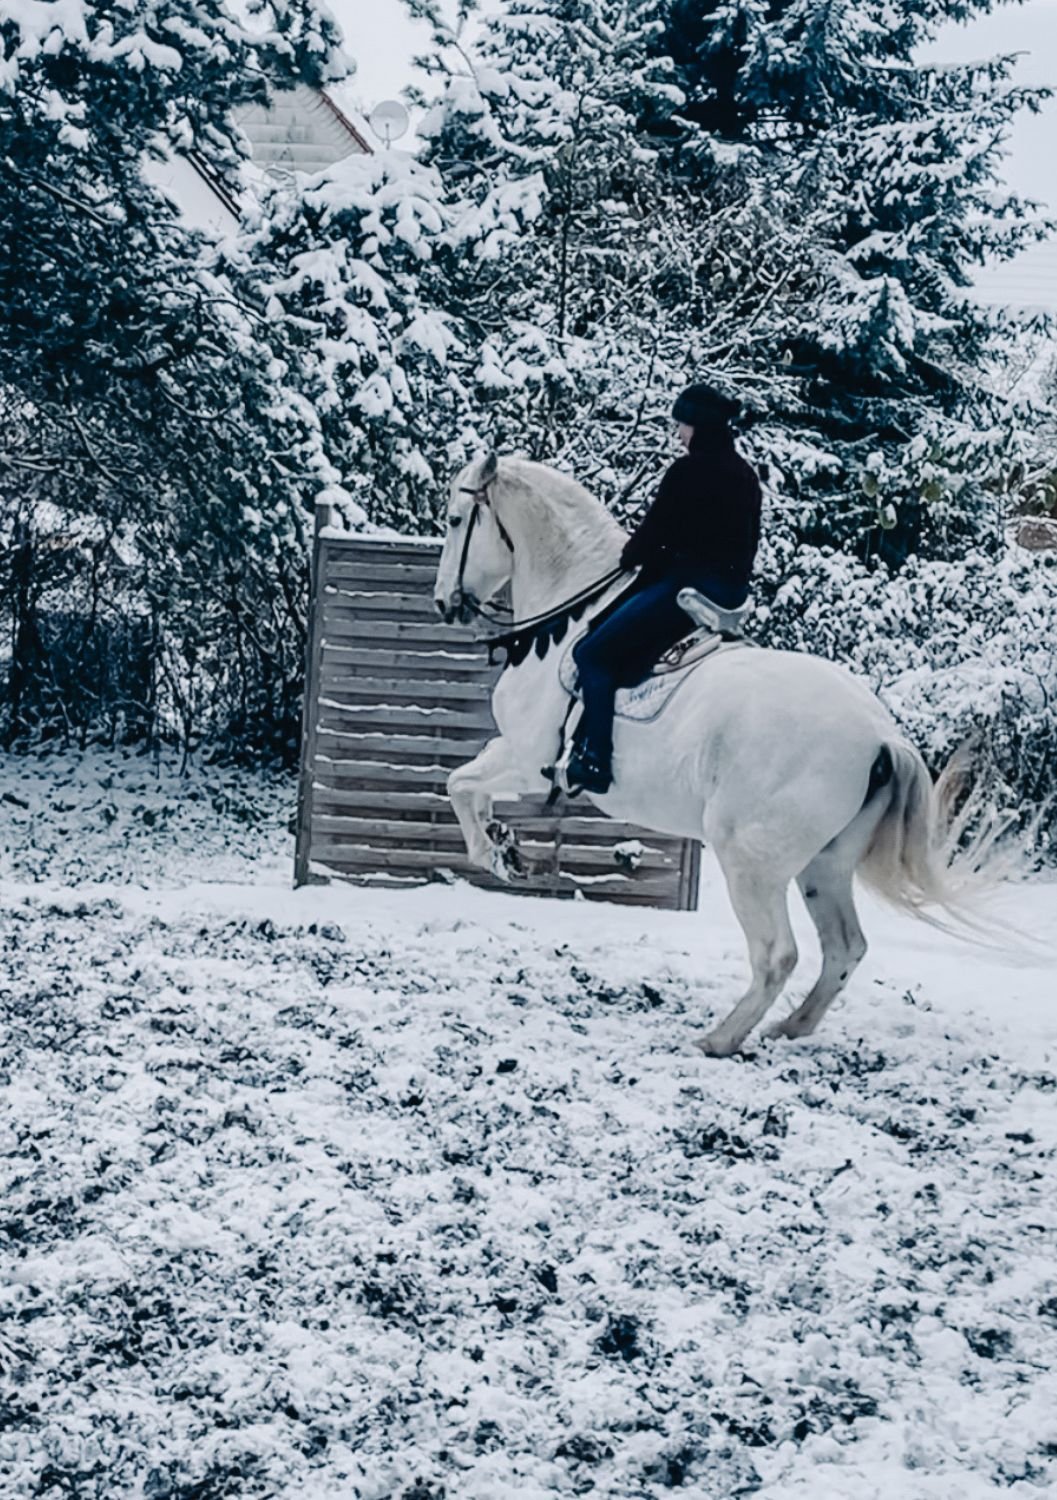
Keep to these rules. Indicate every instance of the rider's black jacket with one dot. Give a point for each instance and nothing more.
(706, 517)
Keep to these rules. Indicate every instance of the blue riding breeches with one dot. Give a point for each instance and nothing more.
(621, 650)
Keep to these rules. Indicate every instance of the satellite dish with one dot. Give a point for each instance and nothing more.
(389, 120)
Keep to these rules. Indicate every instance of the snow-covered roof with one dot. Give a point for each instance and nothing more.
(301, 130)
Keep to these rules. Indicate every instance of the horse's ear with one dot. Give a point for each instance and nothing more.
(489, 469)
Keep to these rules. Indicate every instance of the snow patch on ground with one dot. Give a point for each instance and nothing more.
(427, 1194)
(126, 818)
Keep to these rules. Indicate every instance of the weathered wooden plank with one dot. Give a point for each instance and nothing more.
(689, 875)
(362, 550)
(364, 857)
(421, 635)
(463, 744)
(351, 686)
(313, 669)
(375, 661)
(344, 603)
(454, 722)
(372, 746)
(408, 655)
(414, 804)
(385, 546)
(384, 833)
(657, 899)
(395, 776)
(407, 861)
(409, 577)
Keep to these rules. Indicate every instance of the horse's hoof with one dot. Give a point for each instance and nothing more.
(716, 1044)
(787, 1030)
(780, 1031)
(507, 862)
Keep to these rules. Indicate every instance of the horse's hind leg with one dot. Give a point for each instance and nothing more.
(828, 892)
(760, 904)
(827, 889)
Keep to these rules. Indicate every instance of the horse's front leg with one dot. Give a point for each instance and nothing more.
(473, 789)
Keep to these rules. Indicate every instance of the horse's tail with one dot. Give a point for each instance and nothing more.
(919, 860)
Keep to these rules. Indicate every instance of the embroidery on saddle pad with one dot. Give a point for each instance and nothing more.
(649, 698)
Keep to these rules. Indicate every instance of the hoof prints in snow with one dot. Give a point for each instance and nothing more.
(440, 1212)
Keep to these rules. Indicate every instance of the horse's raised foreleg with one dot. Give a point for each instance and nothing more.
(759, 898)
(473, 788)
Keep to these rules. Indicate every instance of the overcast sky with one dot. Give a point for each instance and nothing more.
(382, 40)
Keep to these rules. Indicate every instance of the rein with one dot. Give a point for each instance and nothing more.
(540, 630)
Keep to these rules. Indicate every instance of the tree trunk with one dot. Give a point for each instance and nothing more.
(25, 651)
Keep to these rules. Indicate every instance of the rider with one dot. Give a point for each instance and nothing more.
(701, 532)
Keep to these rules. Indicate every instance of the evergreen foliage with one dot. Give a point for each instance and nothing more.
(612, 200)
(777, 198)
(349, 268)
(152, 466)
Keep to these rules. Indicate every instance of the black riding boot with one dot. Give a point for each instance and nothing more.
(590, 764)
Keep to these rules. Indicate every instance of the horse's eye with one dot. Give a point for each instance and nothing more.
(454, 521)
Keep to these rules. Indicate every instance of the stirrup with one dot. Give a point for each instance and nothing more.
(590, 765)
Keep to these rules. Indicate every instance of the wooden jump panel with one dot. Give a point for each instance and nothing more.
(395, 700)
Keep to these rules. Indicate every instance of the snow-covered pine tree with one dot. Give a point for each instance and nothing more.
(348, 267)
(889, 432)
(559, 250)
(146, 385)
(778, 198)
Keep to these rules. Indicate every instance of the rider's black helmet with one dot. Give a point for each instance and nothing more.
(701, 406)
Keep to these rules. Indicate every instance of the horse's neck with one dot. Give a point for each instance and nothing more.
(557, 554)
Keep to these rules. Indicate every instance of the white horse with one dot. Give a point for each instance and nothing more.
(789, 767)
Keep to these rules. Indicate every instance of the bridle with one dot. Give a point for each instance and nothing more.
(520, 635)
(480, 498)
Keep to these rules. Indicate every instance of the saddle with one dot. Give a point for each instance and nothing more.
(716, 630)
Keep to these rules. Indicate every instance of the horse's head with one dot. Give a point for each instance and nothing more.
(477, 558)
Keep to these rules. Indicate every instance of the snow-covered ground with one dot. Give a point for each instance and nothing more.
(409, 1195)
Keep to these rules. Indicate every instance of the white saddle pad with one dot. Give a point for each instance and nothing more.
(651, 696)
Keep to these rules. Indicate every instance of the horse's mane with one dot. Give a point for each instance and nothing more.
(570, 533)
(566, 514)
